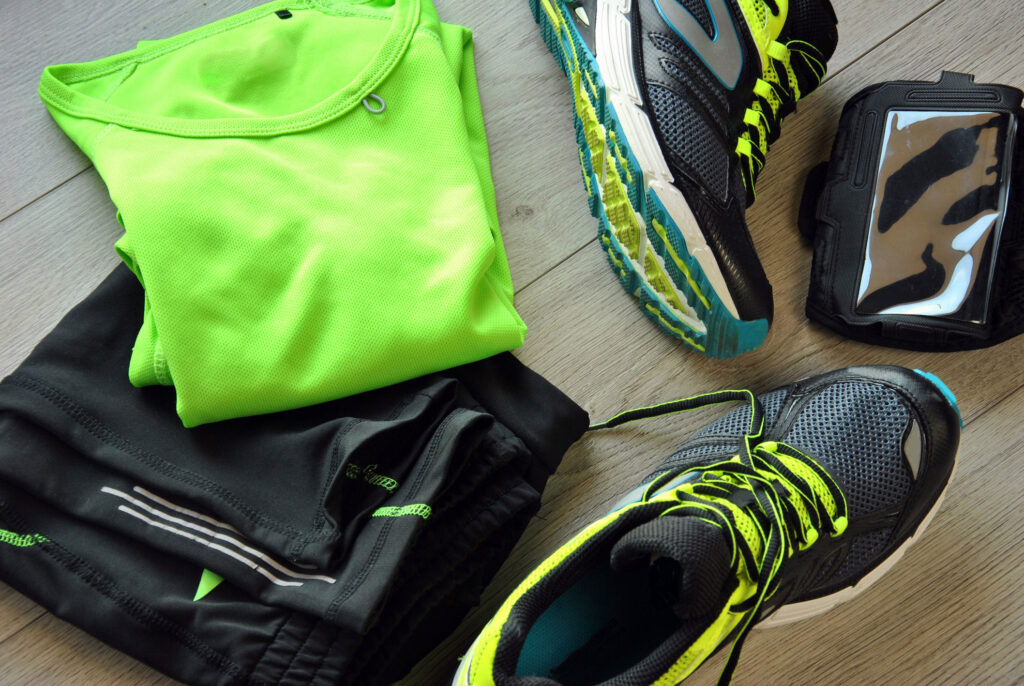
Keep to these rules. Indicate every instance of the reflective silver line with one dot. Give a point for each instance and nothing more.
(213, 534)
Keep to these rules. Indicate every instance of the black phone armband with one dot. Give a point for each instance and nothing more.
(918, 236)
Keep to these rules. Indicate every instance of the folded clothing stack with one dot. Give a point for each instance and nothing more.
(307, 200)
(310, 236)
(352, 535)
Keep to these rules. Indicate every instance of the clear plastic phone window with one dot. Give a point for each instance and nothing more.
(936, 215)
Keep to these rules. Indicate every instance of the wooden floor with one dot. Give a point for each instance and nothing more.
(951, 612)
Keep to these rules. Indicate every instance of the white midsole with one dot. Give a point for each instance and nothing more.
(615, 59)
(793, 612)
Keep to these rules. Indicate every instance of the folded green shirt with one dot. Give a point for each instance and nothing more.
(307, 200)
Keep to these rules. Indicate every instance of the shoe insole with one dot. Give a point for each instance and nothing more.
(598, 628)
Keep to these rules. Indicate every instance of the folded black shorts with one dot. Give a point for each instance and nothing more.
(336, 544)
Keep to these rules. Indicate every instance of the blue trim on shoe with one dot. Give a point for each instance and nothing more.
(938, 383)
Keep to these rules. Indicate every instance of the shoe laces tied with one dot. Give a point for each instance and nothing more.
(770, 499)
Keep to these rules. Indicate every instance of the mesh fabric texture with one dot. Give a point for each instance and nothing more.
(853, 429)
(815, 22)
(699, 10)
(862, 447)
(812, 21)
(309, 247)
(863, 553)
(689, 137)
(737, 422)
(688, 67)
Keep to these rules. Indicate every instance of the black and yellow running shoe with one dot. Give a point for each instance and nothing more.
(779, 510)
(675, 104)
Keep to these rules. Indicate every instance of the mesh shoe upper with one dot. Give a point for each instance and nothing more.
(699, 118)
(858, 429)
(853, 461)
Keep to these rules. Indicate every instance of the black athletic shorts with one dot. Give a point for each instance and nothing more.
(351, 536)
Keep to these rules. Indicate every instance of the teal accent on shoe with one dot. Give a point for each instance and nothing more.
(944, 389)
(725, 336)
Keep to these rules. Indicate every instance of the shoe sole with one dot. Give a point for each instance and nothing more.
(651, 238)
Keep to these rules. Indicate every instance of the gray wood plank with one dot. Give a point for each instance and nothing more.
(36, 155)
(69, 231)
(16, 611)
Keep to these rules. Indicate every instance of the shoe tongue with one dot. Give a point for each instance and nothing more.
(688, 558)
(814, 22)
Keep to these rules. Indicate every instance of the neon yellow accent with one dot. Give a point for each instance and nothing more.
(795, 46)
(611, 253)
(482, 668)
(369, 475)
(661, 282)
(586, 176)
(763, 26)
(749, 540)
(593, 88)
(418, 509)
(778, 51)
(765, 29)
(21, 540)
(622, 158)
(708, 641)
(674, 329)
(756, 539)
(620, 212)
(744, 146)
(207, 582)
(462, 674)
(592, 129)
(200, 117)
(663, 234)
(374, 479)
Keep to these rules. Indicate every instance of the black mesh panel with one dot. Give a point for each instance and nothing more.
(692, 141)
(700, 12)
(863, 554)
(861, 445)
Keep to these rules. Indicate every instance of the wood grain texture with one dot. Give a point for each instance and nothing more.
(950, 612)
(16, 612)
(68, 231)
(36, 155)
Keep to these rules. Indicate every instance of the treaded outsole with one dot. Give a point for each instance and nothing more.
(619, 198)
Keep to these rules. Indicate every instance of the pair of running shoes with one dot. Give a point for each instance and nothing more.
(794, 502)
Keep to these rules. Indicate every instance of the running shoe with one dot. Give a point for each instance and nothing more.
(783, 508)
(676, 102)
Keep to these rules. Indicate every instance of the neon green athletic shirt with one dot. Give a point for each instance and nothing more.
(294, 246)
